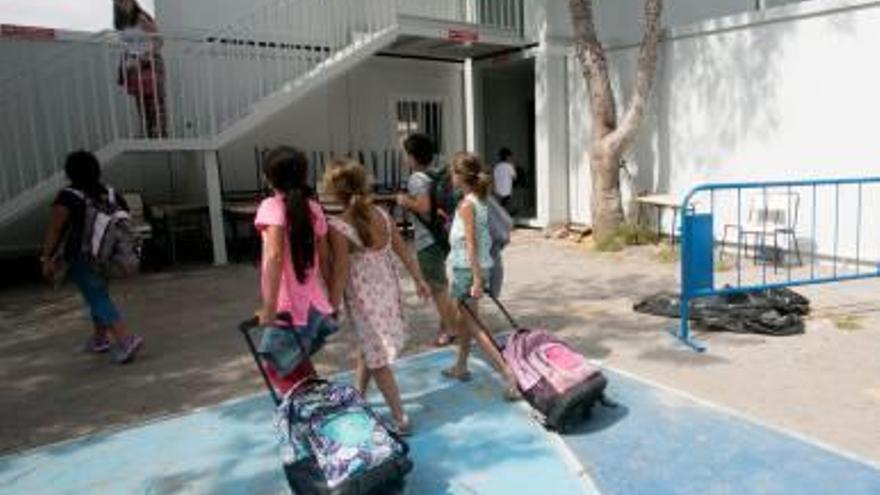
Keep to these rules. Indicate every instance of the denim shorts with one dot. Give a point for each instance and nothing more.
(463, 280)
(94, 290)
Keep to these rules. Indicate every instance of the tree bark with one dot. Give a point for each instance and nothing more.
(594, 65)
(606, 201)
(609, 138)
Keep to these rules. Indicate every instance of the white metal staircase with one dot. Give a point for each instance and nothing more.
(218, 84)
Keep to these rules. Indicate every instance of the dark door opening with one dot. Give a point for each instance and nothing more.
(508, 105)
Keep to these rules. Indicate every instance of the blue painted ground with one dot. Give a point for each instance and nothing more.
(468, 441)
(659, 442)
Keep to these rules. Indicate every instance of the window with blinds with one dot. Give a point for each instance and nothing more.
(425, 116)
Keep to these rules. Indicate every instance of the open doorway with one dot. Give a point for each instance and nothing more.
(508, 105)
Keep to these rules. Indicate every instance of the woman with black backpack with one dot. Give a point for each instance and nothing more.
(62, 255)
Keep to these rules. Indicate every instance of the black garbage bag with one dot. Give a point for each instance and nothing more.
(766, 312)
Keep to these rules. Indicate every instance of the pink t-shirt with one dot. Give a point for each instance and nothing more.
(293, 296)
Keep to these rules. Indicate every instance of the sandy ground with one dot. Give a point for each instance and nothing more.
(824, 384)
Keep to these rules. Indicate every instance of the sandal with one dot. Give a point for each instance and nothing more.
(453, 374)
(443, 339)
(403, 428)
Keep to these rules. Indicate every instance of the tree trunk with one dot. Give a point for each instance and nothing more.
(609, 138)
(606, 201)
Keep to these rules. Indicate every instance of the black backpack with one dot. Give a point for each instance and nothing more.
(443, 205)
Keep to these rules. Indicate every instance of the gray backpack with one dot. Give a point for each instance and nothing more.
(500, 225)
(108, 238)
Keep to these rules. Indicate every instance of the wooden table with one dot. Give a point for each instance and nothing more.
(388, 201)
(179, 218)
(661, 202)
(242, 209)
(237, 212)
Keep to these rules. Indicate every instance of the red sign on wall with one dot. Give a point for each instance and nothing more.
(463, 35)
(26, 32)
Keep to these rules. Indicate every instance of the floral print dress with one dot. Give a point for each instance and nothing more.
(373, 299)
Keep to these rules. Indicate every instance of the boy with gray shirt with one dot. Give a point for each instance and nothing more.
(430, 252)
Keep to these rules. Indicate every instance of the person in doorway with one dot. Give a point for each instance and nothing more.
(62, 248)
(430, 251)
(142, 69)
(504, 175)
(365, 241)
(470, 264)
(296, 250)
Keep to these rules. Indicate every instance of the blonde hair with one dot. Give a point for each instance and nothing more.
(469, 167)
(348, 181)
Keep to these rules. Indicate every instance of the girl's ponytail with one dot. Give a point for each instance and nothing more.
(360, 215)
(287, 171)
(348, 181)
(470, 168)
(483, 185)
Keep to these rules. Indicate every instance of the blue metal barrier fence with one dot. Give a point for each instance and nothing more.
(842, 230)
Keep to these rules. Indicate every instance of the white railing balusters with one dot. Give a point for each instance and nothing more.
(9, 161)
(18, 144)
(311, 15)
(210, 74)
(345, 26)
(337, 13)
(334, 30)
(12, 142)
(20, 141)
(280, 48)
(158, 114)
(198, 92)
(171, 75)
(40, 164)
(99, 123)
(262, 68)
(178, 94)
(79, 109)
(41, 109)
(111, 73)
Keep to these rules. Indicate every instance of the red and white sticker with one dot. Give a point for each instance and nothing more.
(463, 35)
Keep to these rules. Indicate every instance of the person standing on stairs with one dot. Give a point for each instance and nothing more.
(142, 70)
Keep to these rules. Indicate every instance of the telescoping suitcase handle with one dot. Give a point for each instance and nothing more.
(251, 323)
(245, 327)
(513, 324)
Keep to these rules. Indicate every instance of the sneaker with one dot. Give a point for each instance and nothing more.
(96, 344)
(126, 350)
